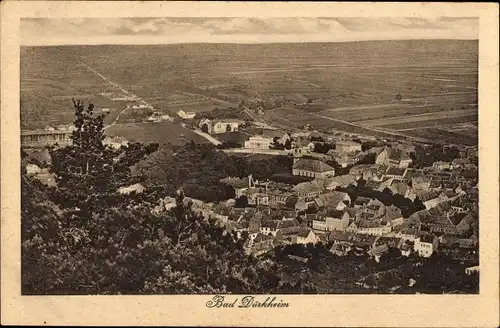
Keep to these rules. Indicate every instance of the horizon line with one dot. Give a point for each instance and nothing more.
(241, 43)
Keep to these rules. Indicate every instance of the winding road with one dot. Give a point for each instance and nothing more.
(130, 94)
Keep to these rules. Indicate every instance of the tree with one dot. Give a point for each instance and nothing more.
(418, 205)
(88, 137)
(241, 202)
(228, 128)
(204, 128)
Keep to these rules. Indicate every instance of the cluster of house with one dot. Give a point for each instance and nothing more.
(315, 211)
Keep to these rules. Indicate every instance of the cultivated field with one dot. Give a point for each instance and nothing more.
(379, 86)
(162, 133)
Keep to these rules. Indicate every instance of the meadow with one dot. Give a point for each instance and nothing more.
(161, 133)
(402, 87)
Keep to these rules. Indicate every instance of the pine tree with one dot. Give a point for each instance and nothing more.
(88, 136)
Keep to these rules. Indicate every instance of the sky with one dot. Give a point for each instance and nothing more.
(167, 30)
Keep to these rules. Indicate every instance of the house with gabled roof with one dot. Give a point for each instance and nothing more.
(409, 234)
(312, 168)
(260, 244)
(331, 219)
(466, 222)
(309, 189)
(393, 216)
(306, 236)
(393, 157)
(186, 115)
(340, 248)
(429, 198)
(225, 125)
(347, 146)
(375, 206)
(395, 173)
(361, 202)
(426, 245)
(335, 199)
(340, 181)
(373, 227)
(366, 242)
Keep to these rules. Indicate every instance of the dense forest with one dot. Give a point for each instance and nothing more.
(83, 237)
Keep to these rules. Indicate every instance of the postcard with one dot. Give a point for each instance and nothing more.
(250, 164)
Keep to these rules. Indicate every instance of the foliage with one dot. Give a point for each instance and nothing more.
(198, 169)
(322, 147)
(289, 178)
(425, 157)
(85, 238)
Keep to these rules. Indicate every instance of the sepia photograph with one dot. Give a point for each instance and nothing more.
(182, 156)
(249, 161)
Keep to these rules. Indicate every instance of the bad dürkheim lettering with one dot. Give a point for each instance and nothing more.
(219, 301)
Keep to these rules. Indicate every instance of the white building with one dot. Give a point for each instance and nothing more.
(115, 142)
(337, 220)
(138, 188)
(440, 165)
(347, 146)
(393, 157)
(426, 245)
(32, 169)
(142, 106)
(258, 142)
(471, 270)
(312, 168)
(306, 237)
(186, 115)
(222, 126)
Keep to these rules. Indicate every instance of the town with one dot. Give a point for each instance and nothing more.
(353, 194)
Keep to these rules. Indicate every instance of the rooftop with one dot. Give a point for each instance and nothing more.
(395, 171)
(312, 165)
(397, 155)
(362, 200)
(303, 233)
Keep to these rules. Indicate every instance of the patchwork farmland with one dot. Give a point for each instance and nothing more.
(379, 88)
